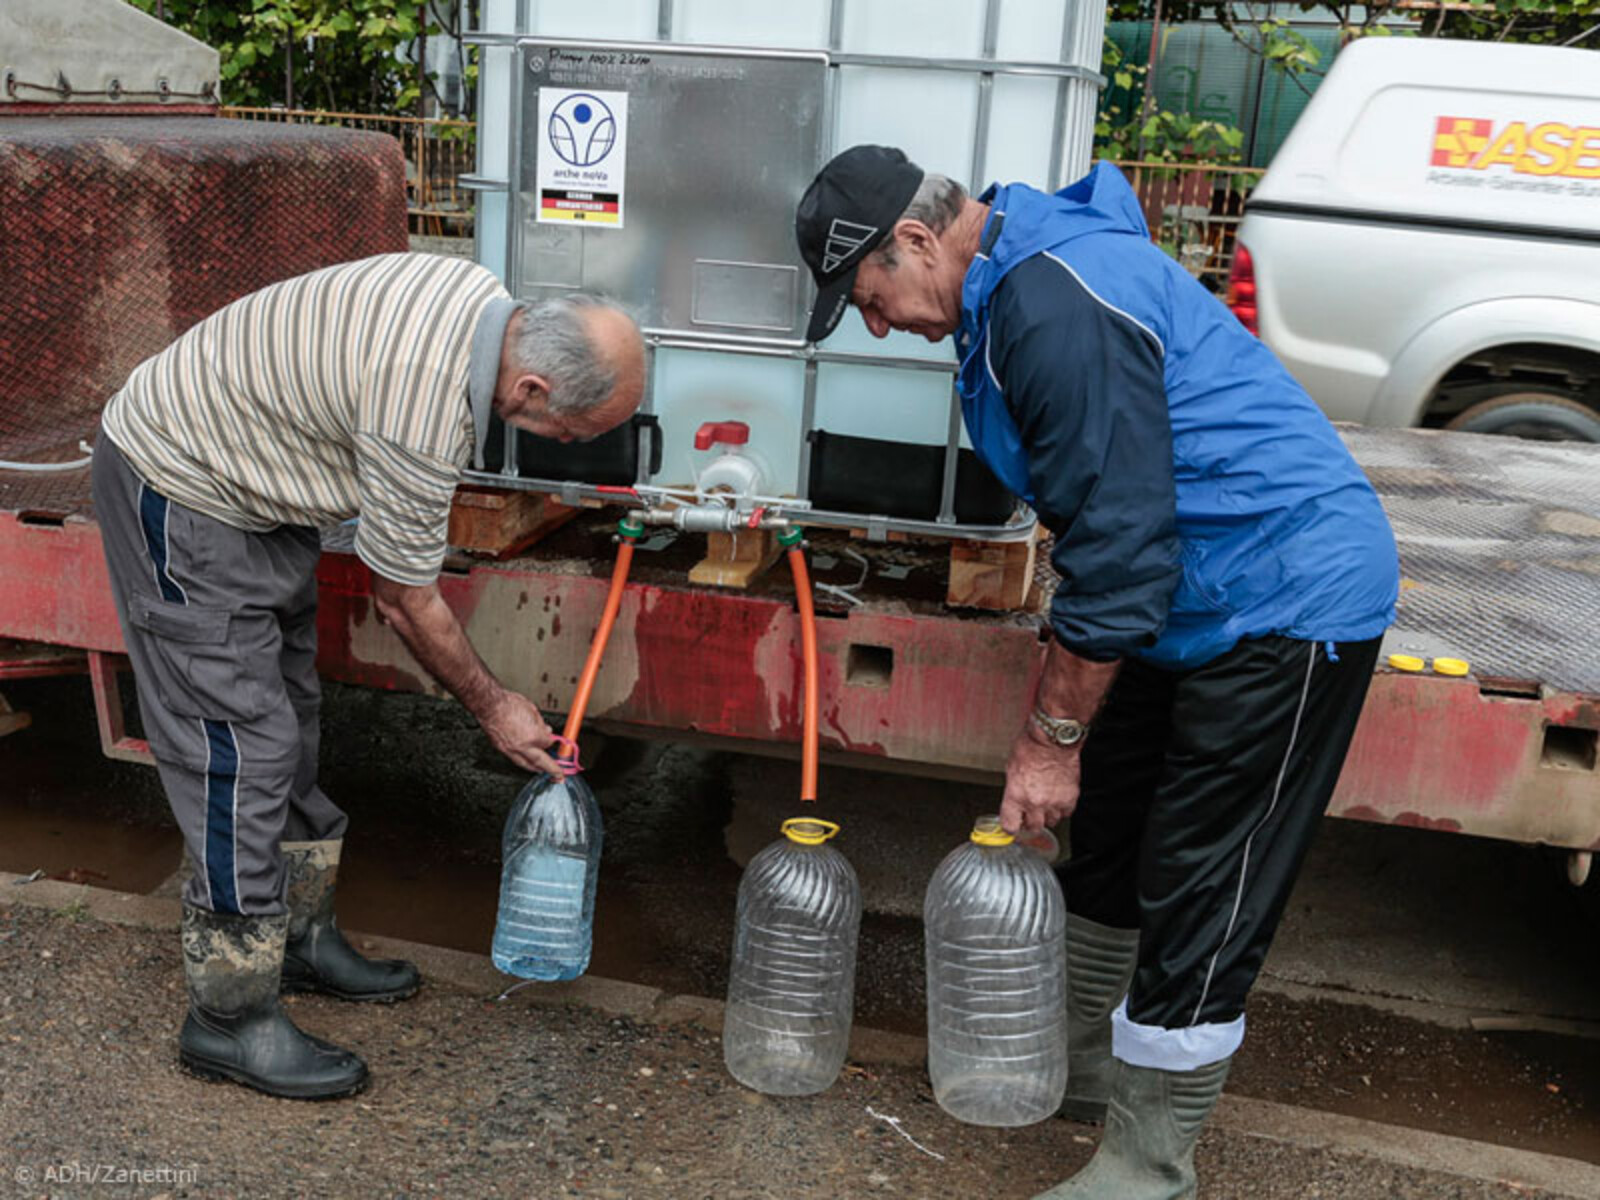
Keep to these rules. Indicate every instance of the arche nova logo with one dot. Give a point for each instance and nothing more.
(1538, 148)
(582, 157)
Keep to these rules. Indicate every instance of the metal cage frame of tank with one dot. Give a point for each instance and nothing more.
(1077, 89)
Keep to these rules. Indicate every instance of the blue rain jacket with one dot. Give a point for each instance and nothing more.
(1196, 493)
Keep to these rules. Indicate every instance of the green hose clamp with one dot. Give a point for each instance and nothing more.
(791, 537)
(630, 529)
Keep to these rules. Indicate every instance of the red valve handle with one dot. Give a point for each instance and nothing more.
(724, 433)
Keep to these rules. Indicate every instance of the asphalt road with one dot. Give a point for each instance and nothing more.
(1362, 1073)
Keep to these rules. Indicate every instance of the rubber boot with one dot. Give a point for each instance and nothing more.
(1100, 962)
(236, 1029)
(317, 957)
(1152, 1123)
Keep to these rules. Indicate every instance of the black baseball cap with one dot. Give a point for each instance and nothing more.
(849, 208)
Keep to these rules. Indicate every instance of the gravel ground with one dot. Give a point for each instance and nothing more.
(476, 1098)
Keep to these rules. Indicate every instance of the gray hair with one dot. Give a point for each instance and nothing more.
(553, 340)
(937, 204)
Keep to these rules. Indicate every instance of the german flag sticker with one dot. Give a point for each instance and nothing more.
(592, 208)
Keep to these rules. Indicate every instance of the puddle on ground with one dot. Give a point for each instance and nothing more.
(81, 847)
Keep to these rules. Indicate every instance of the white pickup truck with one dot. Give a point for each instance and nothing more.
(1425, 248)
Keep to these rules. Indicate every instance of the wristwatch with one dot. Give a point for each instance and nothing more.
(1063, 731)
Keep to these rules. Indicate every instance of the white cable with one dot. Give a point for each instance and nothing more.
(846, 592)
(894, 1124)
(843, 594)
(53, 466)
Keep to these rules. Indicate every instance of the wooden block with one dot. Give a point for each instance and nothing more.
(734, 559)
(499, 523)
(992, 575)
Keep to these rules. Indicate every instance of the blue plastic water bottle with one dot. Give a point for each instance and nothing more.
(550, 860)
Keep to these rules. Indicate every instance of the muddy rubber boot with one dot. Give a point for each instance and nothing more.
(1100, 962)
(1152, 1123)
(317, 957)
(236, 1029)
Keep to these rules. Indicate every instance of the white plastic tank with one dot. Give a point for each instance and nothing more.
(908, 73)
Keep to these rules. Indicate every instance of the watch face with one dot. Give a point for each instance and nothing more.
(1063, 731)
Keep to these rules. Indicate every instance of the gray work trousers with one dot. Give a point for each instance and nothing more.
(221, 627)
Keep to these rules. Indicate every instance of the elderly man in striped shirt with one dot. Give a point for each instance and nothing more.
(361, 389)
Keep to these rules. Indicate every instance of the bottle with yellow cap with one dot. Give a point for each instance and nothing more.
(791, 989)
(995, 921)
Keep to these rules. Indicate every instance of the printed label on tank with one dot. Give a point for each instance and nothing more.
(583, 152)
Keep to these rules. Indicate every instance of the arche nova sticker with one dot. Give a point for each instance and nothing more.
(583, 154)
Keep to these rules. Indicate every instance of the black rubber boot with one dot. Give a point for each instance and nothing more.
(236, 1029)
(317, 957)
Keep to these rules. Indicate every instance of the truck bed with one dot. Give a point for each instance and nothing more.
(1499, 548)
(1500, 553)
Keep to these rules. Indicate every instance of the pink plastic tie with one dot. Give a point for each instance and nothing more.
(569, 763)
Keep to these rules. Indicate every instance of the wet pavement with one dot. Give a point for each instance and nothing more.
(1442, 927)
(473, 1097)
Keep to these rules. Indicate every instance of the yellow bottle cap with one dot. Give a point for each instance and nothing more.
(1451, 666)
(987, 831)
(808, 831)
(1406, 662)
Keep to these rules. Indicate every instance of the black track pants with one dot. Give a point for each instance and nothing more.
(1201, 792)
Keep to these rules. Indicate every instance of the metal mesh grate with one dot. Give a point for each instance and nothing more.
(119, 233)
(1499, 551)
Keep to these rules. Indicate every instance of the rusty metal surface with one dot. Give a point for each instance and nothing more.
(1499, 549)
(53, 495)
(53, 584)
(903, 683)
(896, 683)
(118, 233)
(31, 660)
(1438, 753)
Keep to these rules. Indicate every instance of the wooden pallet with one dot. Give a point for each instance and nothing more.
(497, 524)
(992, 575)
(734, 560)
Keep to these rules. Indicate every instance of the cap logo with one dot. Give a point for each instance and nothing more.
(844, 239)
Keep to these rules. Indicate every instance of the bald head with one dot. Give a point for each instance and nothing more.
(617, 343)
(571, 368)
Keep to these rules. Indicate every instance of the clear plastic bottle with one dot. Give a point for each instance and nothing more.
(550, 860)
(997, 1026)
(791, 990)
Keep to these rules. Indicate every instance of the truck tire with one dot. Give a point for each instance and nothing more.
(1537, 416)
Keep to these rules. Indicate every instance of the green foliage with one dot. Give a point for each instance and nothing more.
(1286, 49)
(1259, 26)
(1131, 127)
(1556, 22)
(341, 55)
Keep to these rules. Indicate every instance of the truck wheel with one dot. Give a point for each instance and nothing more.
(1537, 416)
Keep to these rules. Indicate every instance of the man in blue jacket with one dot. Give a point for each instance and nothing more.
(1226, 576)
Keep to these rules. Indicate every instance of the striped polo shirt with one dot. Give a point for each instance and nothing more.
(338, 393)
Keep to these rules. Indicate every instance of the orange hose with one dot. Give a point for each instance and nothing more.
(597, 648)
(808, 645)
